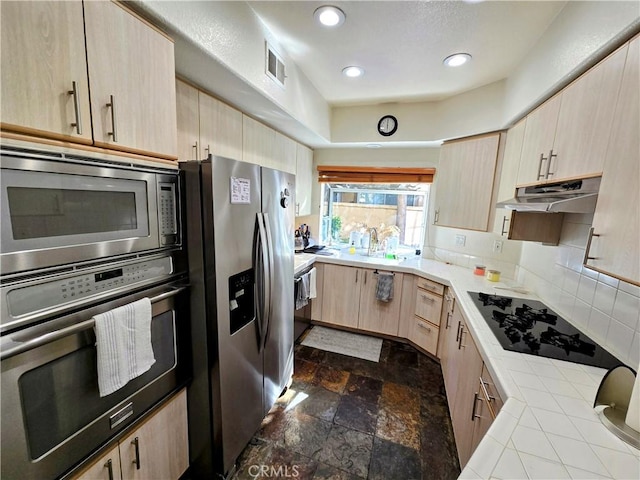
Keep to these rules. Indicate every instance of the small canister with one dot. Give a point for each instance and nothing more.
(493, 275)
(479, 270)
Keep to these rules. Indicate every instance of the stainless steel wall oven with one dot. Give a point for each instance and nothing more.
(50, 288)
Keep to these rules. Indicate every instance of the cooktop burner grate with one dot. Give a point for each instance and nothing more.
(528, 326)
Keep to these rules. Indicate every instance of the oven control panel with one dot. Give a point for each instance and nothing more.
(54, 293)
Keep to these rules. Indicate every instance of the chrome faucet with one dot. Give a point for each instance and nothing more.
(373, 241)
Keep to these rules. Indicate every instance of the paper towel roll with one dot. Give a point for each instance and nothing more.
(633, 413)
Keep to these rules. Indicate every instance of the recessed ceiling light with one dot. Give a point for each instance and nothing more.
(353, 71)
(329, 16)
(456, 59)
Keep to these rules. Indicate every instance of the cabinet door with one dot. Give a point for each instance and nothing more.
(341, 295)
(509, 175)
(220, 128)
(107, 467)
(539, 134)
(487, 408)
(407, 306)
(132, 63)
(445, 327)
(188, 115)
(43, 54)
(464, 187)
(284, 153)
(162, 444)
(257, 142)
(304, 179)
(451, 355)
(375, 315)
(586, 116)
(616, 220)
(467, 395)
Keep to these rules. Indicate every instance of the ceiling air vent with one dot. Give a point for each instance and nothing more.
(275, 66)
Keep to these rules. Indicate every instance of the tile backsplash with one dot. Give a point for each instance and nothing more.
(605, 308)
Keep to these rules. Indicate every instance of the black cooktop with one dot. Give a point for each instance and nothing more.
(529, 326)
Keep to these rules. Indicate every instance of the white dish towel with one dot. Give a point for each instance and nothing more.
(313, 292)
(123, 342)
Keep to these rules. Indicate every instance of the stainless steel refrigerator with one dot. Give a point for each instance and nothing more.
(240, 248)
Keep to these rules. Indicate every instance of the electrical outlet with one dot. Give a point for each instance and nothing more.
(497, 246)
(460, 240)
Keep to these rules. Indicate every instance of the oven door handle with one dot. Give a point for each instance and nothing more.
(78, 327)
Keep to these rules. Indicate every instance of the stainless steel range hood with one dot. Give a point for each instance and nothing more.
(575, 196)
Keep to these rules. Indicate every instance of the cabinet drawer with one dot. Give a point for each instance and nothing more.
(428, 306)
(425, 335)
(431, 286)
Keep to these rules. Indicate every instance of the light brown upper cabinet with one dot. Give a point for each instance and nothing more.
(119, 93)
(132, 80)
(539, 133)
(567, 136)
(206, 125)
(257, 142)
(188, 119)
(220, 128)
(585, 120)
(464, 182)
(304, 180)
(284, 154)
(616, 223)
(45, 90)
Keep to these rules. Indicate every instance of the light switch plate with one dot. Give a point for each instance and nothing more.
(460, 240)
(497, 246)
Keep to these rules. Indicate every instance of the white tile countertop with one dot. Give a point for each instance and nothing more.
(547, 428)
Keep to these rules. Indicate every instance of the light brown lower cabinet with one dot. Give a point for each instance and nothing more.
(466, 395)
(157, 449)
(349, 300)
(473, 398)
(488, 404)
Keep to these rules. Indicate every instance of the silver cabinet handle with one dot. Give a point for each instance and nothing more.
(297, 208)
(427, 299)
(446, 326)
(483, 385)
(109, 467)
(195, 147)
(540, 174)
(460, 345)
(504, 220)
(424, 327)
(474, 415)
(551, 156)
(357, 275)
(365, 277)
(208, 150)
(458, 332)
(76, 107)
(112, 105)
(136, 444)
(436, 216)
(588, 247)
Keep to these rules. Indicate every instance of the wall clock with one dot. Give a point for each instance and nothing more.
(387, 125)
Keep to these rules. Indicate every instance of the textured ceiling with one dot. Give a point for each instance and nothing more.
(401, 45)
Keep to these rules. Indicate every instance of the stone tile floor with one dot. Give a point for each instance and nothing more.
(345, 418)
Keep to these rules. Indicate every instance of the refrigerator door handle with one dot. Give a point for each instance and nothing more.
(261, 264)
(269, 278)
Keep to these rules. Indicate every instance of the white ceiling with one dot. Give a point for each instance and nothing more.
(401, 44)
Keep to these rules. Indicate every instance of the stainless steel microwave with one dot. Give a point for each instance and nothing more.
(58, 209)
